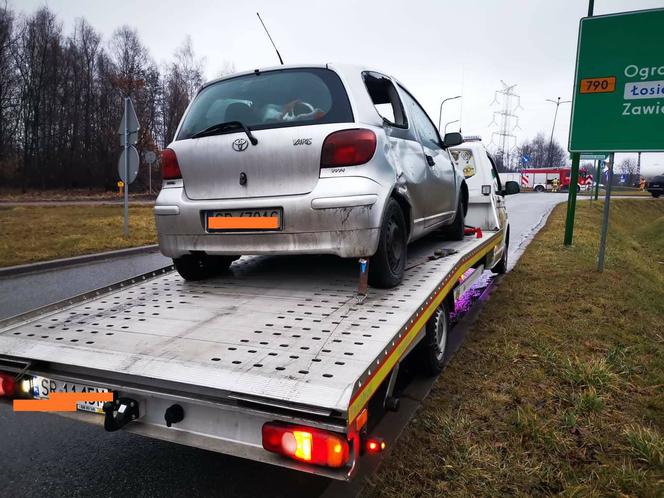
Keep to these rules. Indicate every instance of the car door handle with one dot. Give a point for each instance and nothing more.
(430, 160)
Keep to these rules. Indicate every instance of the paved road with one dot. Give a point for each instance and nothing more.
(48, 455)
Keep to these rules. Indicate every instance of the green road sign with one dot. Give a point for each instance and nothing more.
(618, 101)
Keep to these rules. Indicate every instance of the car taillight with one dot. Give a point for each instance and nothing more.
(306, 444)
(348, 148)
(170, 169)
(7, 385)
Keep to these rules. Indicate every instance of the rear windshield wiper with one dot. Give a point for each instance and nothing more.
(219, 128)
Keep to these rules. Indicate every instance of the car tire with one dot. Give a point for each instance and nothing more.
(456, 230)
(501, 266)
(431, 353)
(387, 266)
(193, 267)
(539, 189)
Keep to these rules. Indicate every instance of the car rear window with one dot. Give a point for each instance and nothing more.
(270, 99)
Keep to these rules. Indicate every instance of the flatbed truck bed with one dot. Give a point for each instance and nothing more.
(280, 339)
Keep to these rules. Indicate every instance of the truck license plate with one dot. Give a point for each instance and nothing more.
(42, 387)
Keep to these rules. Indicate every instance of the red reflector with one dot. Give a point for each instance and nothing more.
(348, 148)
(306, 444)
(170, 169)
(7, 385)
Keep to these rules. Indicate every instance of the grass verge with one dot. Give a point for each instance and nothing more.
(560, 388)
(31, 234)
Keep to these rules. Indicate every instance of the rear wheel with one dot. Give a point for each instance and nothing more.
(432, 351)
(201, 266)
(539, 188)
(455, 231)
(388, 264)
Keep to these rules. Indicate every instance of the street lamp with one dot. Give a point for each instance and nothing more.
(440, 112)
(557, 102)
(449, 123)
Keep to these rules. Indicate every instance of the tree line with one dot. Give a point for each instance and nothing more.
(61, 100)
(538, 152)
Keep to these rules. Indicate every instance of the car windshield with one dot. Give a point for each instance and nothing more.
(272, 99)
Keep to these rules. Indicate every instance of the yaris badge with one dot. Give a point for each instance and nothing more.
(240, 144)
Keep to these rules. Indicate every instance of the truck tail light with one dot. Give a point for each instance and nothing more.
(348, 148)
(306, 444)
(7, 385)
(170, 169)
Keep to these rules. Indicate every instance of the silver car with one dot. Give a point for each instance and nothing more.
(327, 159)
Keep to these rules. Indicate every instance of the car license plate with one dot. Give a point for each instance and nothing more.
(42, 387)
(235, 220)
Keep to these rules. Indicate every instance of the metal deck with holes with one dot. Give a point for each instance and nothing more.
(287, 330)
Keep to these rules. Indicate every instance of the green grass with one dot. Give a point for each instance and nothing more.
(31, 234)
(560, 387)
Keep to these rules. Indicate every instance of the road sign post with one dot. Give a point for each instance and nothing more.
(571, 199)
(605, 217)
(126, 167)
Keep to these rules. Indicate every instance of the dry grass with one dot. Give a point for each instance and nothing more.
(560, 388)
(31, 234)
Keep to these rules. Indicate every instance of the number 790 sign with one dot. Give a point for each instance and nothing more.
(598, 85)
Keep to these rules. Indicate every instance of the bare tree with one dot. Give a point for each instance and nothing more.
(535, 153)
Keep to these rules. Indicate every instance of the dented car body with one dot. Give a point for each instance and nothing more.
(313, 154)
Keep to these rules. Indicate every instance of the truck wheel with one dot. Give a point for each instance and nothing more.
(455, 231)
(432, 350)
(501, 267)
(388, 264)
(201, 266)
(539, 188)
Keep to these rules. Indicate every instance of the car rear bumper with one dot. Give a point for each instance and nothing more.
(321, 222)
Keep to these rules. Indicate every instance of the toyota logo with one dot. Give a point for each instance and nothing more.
(240, 144)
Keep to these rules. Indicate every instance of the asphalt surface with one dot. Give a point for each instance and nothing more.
(48, 455)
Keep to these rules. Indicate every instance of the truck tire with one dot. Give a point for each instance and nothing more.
(539, 188)
(431, 352)
(388, 264)
(455, 231)
(501, 266)
(193, 267)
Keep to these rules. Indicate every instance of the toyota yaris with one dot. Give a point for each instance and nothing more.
(306, 160)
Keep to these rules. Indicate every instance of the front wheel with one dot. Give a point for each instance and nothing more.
(388, 264)
(432, 350)
(501, 266)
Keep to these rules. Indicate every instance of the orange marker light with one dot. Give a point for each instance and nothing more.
(375, 445)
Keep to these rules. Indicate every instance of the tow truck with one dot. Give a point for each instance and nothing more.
(286, 360)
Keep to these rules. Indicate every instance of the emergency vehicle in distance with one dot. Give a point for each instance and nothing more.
(544, 179)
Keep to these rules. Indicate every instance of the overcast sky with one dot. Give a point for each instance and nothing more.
(437, 48)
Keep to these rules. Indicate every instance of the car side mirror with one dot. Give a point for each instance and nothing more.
(511, 188)
(452, 139)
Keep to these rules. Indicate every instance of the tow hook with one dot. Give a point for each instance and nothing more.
(119, 413)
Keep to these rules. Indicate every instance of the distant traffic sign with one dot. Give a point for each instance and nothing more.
(594, 157)
(132, 125)
(619, 85)
(133, 164)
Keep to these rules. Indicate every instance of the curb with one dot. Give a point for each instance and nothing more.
(76, 260)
